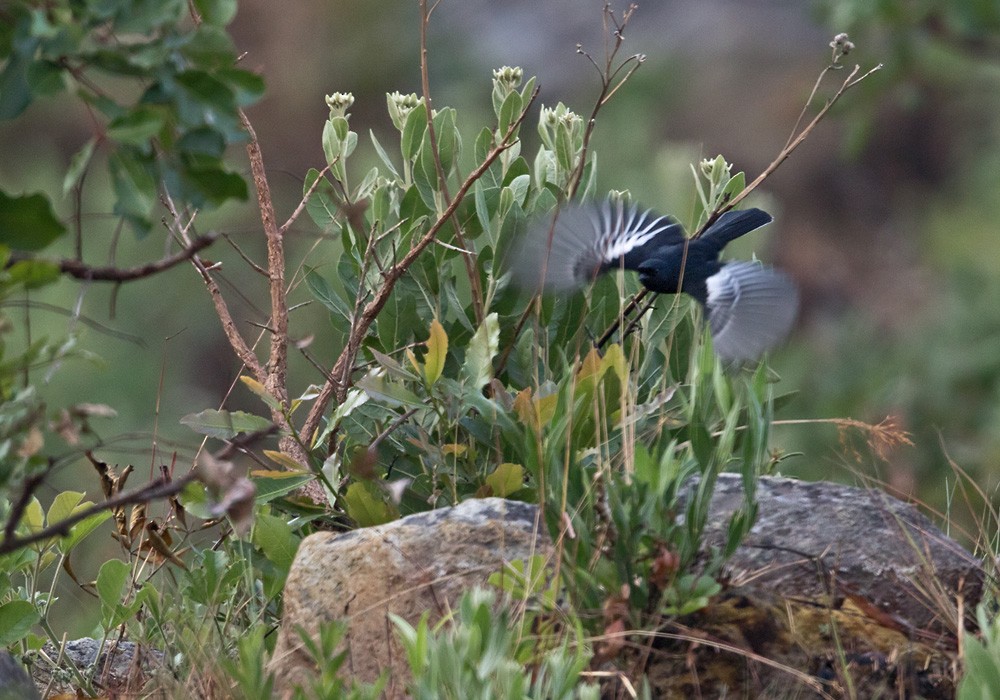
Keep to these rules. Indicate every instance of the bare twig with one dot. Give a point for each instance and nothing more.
(156, 489)
(233, 335)
(337, 388)
(277, 364)
(467, 256)
(304, 201)
(610, 82)
(81, 271)
(794, 143)
(31, 485)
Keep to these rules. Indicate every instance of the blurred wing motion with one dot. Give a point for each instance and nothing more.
(586, 240)
(751, 308)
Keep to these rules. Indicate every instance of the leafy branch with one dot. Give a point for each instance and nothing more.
(339, 380)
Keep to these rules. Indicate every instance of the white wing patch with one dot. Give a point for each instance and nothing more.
(624, 230)
(584, 241)
(751, 308)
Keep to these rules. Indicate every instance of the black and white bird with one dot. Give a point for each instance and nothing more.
(750, 307)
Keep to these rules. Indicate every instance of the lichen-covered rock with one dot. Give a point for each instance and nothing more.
(833, 582)
(122, 668)
(820, 539)
(420, 563)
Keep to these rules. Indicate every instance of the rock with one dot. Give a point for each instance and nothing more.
(420, 563)
(814, 539)
(826, 567)
(123, 667)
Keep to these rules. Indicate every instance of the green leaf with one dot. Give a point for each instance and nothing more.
(366, 504)
(380, 389)
(437, 352)
(16, 619)
(564, 148)
(63, 506)
(413, 132)
(383, 156)
(78, 166)
(506, 479)
(27, 222)
(137, 127)
(196, 501)
(478, 367)
(324, 292)
(34, 273)
(202, 142)
(225, 424)
(34, 517)
(15, 92)
(217, 185)
(519, 188)
(483, 145)
(83, 528)
(210, 46)
(217, 12)
(111, 580)
(206, 91)
(247, 85)
(276, 539)
(510, 110)
(277, 484)
(448, 138)
(322, 203)
(135, 188)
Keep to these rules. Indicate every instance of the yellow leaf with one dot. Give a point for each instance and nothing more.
(258, 388)
(590, 366)
(614, 359)
(275, 473)
(454, 449)
(437, 351)
(284, 460)
(525, 409)
(506, 479)
(413, 359)
(546, 408)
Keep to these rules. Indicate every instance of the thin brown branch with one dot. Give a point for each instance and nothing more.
(246, 258)
(608, 85)
(467, 256)
(81, 271)
(338, 386)
(156, 489)
(782, 156)
(31, 485)
(632, 305)
(277, 365)
(233, 335)
(304, 201)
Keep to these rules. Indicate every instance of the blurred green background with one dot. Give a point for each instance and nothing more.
(885, 216)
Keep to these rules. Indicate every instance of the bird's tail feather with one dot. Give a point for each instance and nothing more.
(734, 224)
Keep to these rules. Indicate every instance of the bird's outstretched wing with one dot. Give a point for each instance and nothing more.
(586, 240)
(751, 308)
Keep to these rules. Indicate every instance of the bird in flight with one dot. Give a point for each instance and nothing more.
(750, 307)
